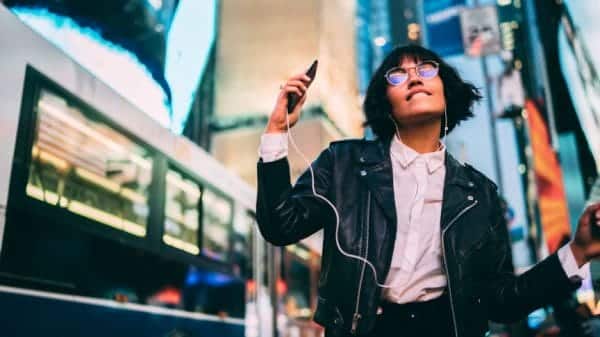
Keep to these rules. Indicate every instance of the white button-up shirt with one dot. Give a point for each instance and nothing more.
(417, 271)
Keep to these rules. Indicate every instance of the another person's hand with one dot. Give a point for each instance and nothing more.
(586, 246)
(277, 120)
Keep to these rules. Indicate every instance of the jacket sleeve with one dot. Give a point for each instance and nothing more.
(511, 297)
(287, 214)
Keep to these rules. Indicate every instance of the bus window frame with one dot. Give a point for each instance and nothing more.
(19, 202)
(173, 165)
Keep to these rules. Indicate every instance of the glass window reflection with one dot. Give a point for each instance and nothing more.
(182, 211)
(216, 221)
(83, 165)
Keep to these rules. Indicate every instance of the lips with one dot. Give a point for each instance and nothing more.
(412, 93)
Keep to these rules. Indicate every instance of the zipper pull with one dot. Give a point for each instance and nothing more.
(355, 319)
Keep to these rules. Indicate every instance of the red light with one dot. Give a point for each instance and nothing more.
(251, 286)
(281, 287)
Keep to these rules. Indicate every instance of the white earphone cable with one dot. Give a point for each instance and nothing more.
(337, 216)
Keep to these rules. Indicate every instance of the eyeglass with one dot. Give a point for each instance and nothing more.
(424, 70)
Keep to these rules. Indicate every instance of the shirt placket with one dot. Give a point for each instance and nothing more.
(414, 221)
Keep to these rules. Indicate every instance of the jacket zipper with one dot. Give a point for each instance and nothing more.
(446, 262)
(357, 316)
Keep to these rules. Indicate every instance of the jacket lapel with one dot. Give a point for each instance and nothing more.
(375, 168)
(456, 190)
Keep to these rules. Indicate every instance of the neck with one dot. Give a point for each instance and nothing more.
(423, 137)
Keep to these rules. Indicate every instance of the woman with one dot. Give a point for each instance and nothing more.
(414, 242)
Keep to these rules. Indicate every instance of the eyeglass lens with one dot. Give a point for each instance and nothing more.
(425, 70)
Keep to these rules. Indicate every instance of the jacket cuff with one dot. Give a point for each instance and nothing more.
(559, 282)
(569, 264)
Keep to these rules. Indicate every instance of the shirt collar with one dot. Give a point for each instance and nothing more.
(406, 155)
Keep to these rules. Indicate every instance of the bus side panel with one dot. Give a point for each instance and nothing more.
(24, 316)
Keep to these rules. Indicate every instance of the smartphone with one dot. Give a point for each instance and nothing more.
(293, 98)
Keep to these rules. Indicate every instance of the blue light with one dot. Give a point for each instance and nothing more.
(197, 276)
(536, 318)
(156, 4)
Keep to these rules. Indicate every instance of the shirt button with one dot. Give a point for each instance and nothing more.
(471, 184)
(363, 173)
(412, 315)
(470, 198)
(362, 159)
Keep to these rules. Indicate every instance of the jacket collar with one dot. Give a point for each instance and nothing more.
(374, 166)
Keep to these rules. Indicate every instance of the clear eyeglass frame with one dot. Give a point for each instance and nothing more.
(424, 70)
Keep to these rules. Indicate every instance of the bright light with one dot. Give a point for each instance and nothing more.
(188, 45)
(113, 65)
(180, 244)
(380, 41)
(414, 30)
(157, 4)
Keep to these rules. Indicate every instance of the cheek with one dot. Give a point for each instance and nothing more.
(394, 96)
(439, 88)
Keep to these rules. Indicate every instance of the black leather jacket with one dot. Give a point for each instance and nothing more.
(356, 175)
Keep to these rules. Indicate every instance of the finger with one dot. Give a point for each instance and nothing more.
(596, 206)
(301, 77)
(289, 89)
(298, 83)
(302, 100)
(591, 209)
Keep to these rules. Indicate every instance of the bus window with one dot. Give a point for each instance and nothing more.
(83, 165)
(216, 220)
(182, 209)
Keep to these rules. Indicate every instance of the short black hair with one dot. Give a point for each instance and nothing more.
(460, 95)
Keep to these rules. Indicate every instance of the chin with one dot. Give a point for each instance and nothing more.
(418, 117)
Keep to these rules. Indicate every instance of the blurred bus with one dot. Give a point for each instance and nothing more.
(112, 225)
(109, 223)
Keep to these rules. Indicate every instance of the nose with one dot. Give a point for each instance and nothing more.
(413, 78)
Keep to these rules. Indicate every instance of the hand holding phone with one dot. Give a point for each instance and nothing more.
(293, 98)
(292, 93)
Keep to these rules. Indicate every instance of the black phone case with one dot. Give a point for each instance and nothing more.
(293, 98)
